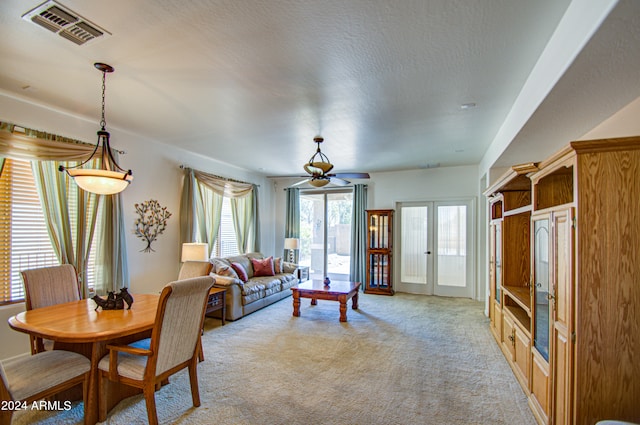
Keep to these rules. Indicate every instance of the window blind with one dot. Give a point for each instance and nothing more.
(226, 242)
(25, 240)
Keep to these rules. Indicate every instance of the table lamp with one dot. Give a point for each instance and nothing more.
(194, 252)
(291, 244)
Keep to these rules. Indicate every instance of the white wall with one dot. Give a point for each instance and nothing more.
(156, 176)
(386, 189)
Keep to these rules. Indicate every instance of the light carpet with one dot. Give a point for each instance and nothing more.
(406, 359)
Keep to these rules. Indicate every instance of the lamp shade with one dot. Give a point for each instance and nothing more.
(101, 182)
(194, 252)
(291, 243)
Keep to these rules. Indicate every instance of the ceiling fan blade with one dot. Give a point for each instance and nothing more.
(300, 182)
(338, 181)
(350, 175)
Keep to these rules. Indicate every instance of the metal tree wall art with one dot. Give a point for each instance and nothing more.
(151, 222)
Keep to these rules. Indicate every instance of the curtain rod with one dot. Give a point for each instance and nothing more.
(227, 179)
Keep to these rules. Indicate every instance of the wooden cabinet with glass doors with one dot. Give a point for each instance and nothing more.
(588, 193)
(379, 252)
(582, 319)
(509, 271)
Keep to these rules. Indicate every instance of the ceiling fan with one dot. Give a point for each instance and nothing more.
(319, 166)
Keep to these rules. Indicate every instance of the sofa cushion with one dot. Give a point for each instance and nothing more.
(240, 271)
(227, 271)
(277, 265)
(252, 291)
(287, 284)
(218, 264)
(267, 281)
(262, 267)
(288, 267)
(243, 259)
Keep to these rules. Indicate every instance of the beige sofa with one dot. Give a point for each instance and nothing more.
(243, 298)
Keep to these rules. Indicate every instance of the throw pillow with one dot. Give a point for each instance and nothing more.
(277, 265)
(263, 267)
(242, 273)
(227, 271)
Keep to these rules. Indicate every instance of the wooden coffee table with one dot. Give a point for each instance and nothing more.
(316, 290)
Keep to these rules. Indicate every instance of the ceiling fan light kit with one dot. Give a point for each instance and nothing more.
(110, 178)
(319, 166)
(318, 163)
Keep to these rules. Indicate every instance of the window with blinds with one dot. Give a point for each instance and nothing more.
(226, 243)
(24, 239)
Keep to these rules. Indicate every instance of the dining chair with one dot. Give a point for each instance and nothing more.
(28, 378)
(191, 269)
(174, 345)
(47, 286)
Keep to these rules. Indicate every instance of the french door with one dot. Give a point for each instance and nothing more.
(435, 248)
(325, 233)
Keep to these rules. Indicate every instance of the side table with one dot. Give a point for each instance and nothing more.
(303, 273)
(216, 302)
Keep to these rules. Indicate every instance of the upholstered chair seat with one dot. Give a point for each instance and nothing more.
(33, 377)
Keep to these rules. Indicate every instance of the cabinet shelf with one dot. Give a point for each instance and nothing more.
(520, 317)
(519, 294)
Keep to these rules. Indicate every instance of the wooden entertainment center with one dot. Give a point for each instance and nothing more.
(565, 280)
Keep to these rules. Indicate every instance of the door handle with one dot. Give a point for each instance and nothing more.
(428, 252)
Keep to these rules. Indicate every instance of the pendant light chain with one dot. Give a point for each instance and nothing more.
(103, 121)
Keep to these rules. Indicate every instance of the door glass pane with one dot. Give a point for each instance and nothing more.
(541, 275)
(339, 208)
(312, 234)
(452, 245)
(335, 251)
(413, 244)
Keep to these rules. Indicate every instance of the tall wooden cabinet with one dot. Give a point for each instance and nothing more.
(510, 257)
(379, 252)
(584, 287)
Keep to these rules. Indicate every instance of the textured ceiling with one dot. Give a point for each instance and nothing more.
(382, 81)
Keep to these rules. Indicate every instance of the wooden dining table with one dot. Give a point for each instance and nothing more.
(77, 326)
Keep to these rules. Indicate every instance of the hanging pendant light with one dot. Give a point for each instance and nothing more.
(319, 163)
(110, 178)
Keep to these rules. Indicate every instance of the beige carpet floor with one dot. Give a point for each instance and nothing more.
(405, 359)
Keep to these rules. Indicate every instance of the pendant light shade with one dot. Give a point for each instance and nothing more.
(110, 178)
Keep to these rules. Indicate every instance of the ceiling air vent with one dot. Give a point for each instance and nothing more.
(68, 24)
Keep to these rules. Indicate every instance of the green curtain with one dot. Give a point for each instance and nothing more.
(359, 234)
(112, 270)
(201, 209)
(292, 218)
(192, 217)
(70, 215)
(246, 221)
(212, 203)
(1, 165)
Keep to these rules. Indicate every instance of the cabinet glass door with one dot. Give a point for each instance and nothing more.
(379, 271)
(541, 243)
(498, 260)
(379, 229)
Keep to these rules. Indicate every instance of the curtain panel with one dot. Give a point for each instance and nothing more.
(292, 218)
(358, 266)
(46, 152)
